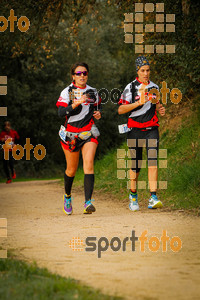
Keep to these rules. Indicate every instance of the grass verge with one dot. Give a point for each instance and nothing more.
(21, 281)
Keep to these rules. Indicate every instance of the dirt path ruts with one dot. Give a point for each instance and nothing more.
(39, 230)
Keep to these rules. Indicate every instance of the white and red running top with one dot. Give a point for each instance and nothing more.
(80, 118)
(145, 115)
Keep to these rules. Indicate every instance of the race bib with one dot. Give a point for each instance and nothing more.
(123, 128)
(62, 133)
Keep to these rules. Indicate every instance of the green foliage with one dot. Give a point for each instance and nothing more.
(37, 64)
(21, 281)
(183, 171)
(179, 70)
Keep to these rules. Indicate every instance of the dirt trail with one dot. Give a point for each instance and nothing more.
(39, 230)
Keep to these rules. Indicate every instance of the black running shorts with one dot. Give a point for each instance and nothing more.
(136, 140)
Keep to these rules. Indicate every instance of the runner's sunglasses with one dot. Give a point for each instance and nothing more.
(85, 73)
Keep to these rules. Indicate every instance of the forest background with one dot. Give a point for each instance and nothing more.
(37, 65)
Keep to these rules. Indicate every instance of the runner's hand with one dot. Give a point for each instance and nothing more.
(161, 110)
(143, 100)
(82, 100)
(97, 114)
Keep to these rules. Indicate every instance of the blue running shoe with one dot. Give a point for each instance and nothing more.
(89, 207)
(154, 202)
(67, 208)
(133, 204)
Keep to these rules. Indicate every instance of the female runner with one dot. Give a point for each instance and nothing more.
(79, 103)
(143, 125)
